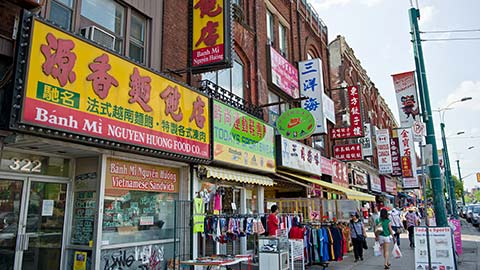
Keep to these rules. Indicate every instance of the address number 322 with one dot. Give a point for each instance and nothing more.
(25, 165)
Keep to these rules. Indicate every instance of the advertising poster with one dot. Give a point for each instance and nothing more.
(300, 157)
(407, 99)
(375, 183)
(383, 152)
(128, 175)
(366, 140)
(457, 234)
(241, 139)
(348, 152)
(76, 87)
(360, 179)
(326, 165)
(211, 33)
(408, 158)
(311, 87)
(440, 248)
(283, 74)
(296, 124)
(355, 129)
(80, 260)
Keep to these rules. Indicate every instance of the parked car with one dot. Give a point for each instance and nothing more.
(469, 212)
(476, 216)
(463, 213)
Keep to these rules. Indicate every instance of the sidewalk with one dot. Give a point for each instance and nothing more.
(470, 259)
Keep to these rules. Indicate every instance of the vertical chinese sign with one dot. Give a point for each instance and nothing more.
(395, 152)
(241, 139)
(311, 87)
(340, 173)
(407, 99)
(383, 152)
(408, 158)
(78, 88)
(355, 129)
(211, 34)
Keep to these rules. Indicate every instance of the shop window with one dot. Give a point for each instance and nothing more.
(137, 38)
(282, 40)
(275, 110)
(231, 79)
(61, 13)
(270, 33)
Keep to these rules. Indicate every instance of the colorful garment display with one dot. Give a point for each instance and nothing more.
(323, 243)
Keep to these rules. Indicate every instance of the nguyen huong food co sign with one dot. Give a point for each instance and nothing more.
(79, 88)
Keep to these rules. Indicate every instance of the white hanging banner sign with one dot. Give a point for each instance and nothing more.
(311, 87)
(383, 152)
(407, 99)
(408, 158)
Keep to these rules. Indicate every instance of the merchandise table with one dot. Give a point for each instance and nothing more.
(219, 261)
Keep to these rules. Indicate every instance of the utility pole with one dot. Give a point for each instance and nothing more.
(448, 174)
(435, 177)
(461, 181)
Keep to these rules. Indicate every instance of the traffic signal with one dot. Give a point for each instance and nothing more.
(478, 177)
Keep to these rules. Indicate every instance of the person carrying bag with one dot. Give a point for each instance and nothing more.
(358, 235)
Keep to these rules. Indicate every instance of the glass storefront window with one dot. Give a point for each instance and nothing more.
(134, 216)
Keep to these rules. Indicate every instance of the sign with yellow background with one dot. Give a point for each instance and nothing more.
(76, 87)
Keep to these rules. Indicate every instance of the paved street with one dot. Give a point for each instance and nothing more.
(470, 260)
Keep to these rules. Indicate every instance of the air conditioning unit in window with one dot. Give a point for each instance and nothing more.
(98, 35)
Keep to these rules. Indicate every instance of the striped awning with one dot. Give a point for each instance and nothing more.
(350, 193)
(226, 174)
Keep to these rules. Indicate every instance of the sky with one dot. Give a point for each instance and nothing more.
(378, 32)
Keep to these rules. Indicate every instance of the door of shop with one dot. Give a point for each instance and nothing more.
(32, 218)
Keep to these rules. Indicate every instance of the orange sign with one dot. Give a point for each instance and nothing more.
(127, 175)
(478, 177)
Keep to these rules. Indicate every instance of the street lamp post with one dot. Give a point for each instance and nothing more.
(460, 177)
(448, 172)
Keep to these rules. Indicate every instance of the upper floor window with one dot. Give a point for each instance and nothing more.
(137, 38)
(282, 39)
(230, 79)
(270, 33)
(275, 110)
(61, 13)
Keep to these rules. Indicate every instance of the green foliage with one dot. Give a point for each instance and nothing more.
(458, 187)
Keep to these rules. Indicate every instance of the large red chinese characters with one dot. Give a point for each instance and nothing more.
(140, 90)
(101, 80)
(356, 126)
(171, 96)
(197, 113)
(59, 59)
(208, 35)
(208, 7)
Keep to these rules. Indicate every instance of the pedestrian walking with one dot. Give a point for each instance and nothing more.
(358, 235)
(373, 217)
(272, 221)
(412, 221)
(383, 234)
(402, 216)
(397, 225)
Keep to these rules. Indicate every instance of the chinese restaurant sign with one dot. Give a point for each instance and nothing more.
(348, 152)
(283, 74)
(241, 139)
(296, 124)
(395, 151)
(360, 179)
(340, 173)
(326, 165)
(407, 99)
(383, 152)
(76, 87)
(408, 159)
(297, 156)
(211, 33)
(355, 129)
(311, 87)
(128, 175)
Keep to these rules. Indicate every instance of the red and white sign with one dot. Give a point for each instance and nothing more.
(355, 129)
(390, 185)
(340, 173)
(407, 99)
(283, 74)
(407, 153)
(348, 152)
(383, 151)
(419, 131)
(326, 166)
(395, 152)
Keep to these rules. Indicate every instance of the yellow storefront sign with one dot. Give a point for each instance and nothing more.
(74, 86)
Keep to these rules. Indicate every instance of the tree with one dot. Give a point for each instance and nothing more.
(458, 187)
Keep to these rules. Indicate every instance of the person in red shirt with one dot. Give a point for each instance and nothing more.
(272, 221)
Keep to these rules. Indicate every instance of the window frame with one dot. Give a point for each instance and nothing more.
(282, 40)
(236, 60)
(61, 4)
(270, 27)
